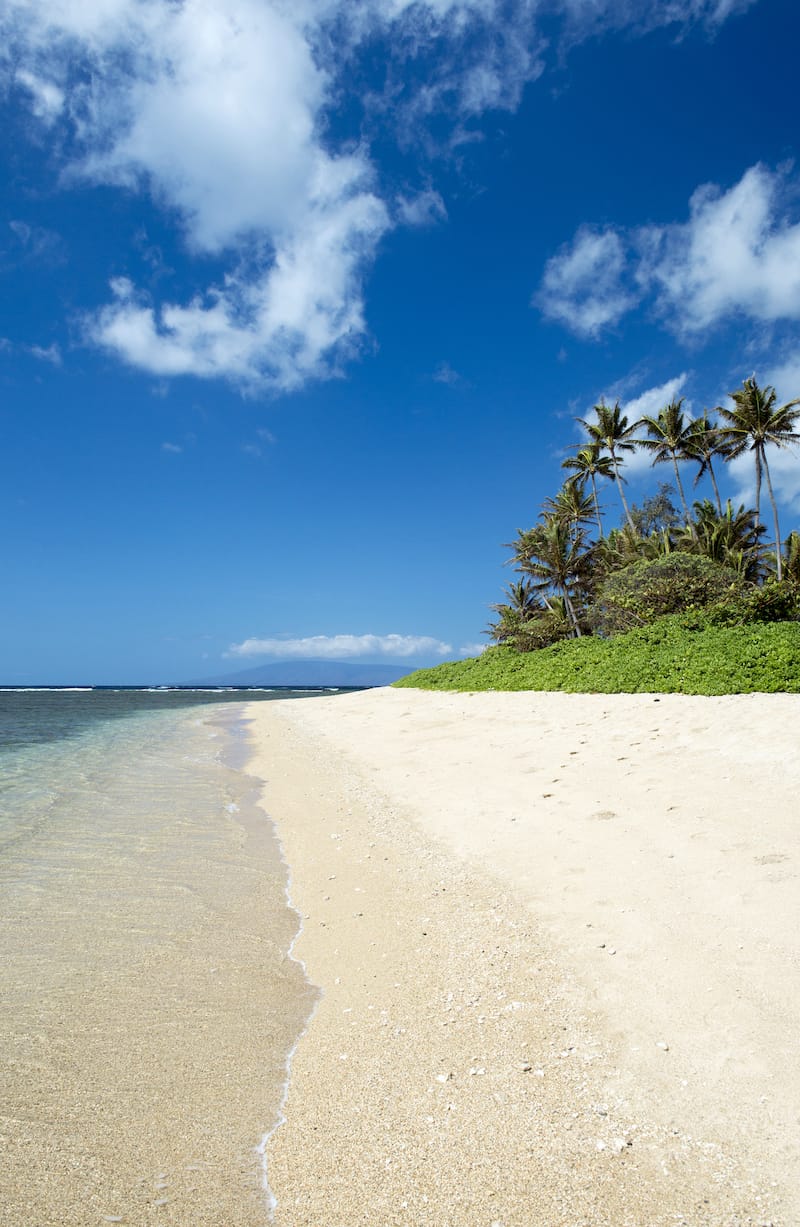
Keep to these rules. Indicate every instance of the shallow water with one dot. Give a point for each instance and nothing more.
(148, 1004)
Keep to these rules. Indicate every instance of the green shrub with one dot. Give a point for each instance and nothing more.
(772, 602)
(651, 588)
(682, 653)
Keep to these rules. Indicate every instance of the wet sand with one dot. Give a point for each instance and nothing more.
(148, 1003)
(557, 940)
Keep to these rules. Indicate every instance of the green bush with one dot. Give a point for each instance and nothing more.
(682, 653)
(773, 602)
(651, 588)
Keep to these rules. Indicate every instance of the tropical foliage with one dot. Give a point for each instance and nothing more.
(581, 580)
(687, 598)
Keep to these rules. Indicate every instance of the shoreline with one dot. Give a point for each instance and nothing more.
(148, 1001)
(470, 1060)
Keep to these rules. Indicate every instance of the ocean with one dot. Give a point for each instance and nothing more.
(149, 999)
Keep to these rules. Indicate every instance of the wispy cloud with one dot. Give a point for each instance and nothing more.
(46, 353)
(446, 374)
(342, 647)
(738, 254)
(43, 353)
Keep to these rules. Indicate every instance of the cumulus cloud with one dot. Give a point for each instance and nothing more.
(583, 285)
(341, 647)
(221, 113)
(472, 649)
(738, 254)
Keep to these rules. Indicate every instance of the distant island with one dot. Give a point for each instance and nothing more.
(309, 673)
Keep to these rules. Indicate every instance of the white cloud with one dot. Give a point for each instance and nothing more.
(472, 649)
(47, 99)
(446, 374)
(43, 353)
(424, 209)
(785, 378)
(584, 283)
(173, 449)
(737, 255)
(219, 111)
(46, 353)
(340, 647)
(650, 402)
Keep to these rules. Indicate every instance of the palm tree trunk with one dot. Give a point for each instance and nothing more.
(621, 491)
(714, 484)
(778, 558)
(596, 505)
(572, 615)
(689, 524)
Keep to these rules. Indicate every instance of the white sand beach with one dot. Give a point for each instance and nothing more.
(557, 941)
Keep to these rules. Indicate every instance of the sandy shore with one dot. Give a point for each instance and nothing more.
(557, 941)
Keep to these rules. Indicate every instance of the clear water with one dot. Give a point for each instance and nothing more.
(148, 1002)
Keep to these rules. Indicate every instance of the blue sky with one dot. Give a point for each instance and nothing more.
(301, 301)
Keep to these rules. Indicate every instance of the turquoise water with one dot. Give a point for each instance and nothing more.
(149, 1002)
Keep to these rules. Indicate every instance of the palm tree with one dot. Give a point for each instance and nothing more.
(729, 537)
(526, 622)
(625, 545)
(557, 560)
(701, 446)
(754, 422)
(792, 547)
(669, 439)
(611, 432)
(587, 462)
(571, 506)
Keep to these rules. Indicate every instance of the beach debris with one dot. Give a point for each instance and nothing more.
(662, 1045)
(444, 1077)
(113, 1218)
(526, 1067)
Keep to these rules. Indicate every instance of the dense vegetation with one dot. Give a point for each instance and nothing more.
(668, 656)
(702, 600)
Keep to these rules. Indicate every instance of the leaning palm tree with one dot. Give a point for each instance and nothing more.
(668, 438)
(702, 446)
(557, 561)
(587, 462)
(612, 433)
(754, 422)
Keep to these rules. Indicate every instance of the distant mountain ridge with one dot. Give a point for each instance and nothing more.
(309, 673)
